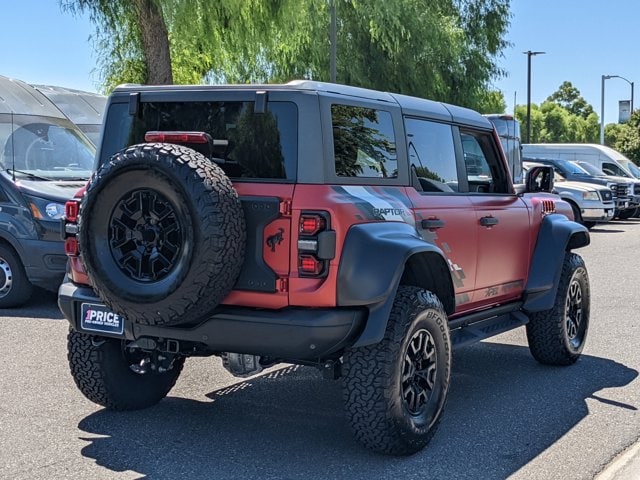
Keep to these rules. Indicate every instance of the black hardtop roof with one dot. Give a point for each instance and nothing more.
(20, 98)
(82, 108)
(412, 106)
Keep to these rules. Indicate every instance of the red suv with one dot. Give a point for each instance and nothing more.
(361, 232)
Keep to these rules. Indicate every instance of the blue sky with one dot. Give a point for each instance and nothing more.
(584, 39)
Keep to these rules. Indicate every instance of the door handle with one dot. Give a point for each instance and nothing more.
(432, 223)
(488, 221)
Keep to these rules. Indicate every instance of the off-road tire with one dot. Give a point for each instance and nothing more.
(15, 287)
(161, 234)
(378, 407)
(102, 373)
(557, 336)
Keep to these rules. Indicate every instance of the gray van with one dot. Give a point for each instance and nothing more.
(44, 160)
(85, 109)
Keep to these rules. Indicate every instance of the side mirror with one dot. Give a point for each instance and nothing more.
(539, 179)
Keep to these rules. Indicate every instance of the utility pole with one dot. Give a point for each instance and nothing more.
(529, 54)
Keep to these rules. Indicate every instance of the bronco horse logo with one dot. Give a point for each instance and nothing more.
(275, 239)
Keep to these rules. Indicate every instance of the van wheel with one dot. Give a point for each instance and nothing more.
(162, 234)
(557, 336)
(15, 287)
(395, 391)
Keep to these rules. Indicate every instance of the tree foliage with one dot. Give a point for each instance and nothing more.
(625, 137)
(565, 117)
(568, 97)
(441, 49)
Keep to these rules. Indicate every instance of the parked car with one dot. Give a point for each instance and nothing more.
(634, 187)
(591, 203)
(316, 224)
(44, 159)
(85, 109)
(602, 157)
(621, 188)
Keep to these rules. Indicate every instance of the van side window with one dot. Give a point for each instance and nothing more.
(364, 142)
(485, 170)
(613, 169)
(432, 154)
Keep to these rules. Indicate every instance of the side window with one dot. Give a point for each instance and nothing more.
(485, 170)
(613, 169)
(364, 142)
(432, 155)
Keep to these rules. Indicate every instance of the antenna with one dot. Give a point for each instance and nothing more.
(13, 151)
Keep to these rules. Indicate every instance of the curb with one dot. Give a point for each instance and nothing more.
(625, 466)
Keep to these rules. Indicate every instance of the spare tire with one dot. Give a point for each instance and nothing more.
(161, 233)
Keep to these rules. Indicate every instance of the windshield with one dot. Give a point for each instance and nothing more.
(595, 171)
(44, 147)
(633, 168)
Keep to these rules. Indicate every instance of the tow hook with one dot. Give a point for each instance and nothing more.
(142, 367)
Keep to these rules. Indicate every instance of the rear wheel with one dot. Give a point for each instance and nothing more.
(395, 391)
(15, 287)
(557, 336)
(116, 377)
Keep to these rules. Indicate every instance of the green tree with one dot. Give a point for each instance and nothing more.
(132, 38)
(442, 49)
(568, 97)
(628, 138)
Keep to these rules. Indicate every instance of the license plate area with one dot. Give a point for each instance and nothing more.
(95, 317)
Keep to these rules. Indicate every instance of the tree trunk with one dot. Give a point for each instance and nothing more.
(155, 42)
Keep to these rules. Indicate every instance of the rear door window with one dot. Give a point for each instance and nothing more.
(364, 142)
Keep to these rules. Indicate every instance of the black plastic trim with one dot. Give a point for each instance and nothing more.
(557, 235)
(365, 282)
(256, 275)
(306, 334)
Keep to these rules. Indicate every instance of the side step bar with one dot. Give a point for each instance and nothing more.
(480, 325)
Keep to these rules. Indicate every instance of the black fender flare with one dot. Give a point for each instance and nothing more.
(557, 235)
(375, 259)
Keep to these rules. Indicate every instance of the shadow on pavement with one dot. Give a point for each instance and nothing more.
(504, 410)
(42, 304)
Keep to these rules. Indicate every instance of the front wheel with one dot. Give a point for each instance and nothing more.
(15, 287)
(395, 391)
(116, 377)
(557, 336)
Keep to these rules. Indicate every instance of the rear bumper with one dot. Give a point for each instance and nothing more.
(289, 334)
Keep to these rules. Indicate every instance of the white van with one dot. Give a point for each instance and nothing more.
(605, 158)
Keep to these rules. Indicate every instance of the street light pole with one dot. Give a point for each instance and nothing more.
(529, 54)
(604, 77)
(607, 77)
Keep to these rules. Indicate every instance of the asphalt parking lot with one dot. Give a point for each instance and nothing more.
(507, 416)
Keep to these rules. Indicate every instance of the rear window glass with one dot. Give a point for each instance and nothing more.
(247, 145)
(364, 142)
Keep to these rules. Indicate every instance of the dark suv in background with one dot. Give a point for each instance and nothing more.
(44, 159)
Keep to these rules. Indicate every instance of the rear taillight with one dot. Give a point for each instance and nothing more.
(70, 227)
(71, 209)
(316, 244)
(71, 246)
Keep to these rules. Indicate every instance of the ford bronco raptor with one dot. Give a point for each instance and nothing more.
(362, 232)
